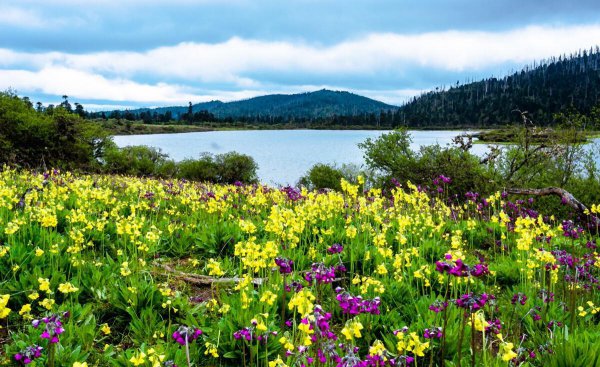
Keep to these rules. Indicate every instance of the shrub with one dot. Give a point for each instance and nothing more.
(136, 160)
(322, 176)
(233, 166)
(203, 169)
(390, 157)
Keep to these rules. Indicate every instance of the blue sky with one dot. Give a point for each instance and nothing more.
(115, 54)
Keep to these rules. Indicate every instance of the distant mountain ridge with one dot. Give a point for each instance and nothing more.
(321, 103)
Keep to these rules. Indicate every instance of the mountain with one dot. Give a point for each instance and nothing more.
(322, 103)
(560, 84)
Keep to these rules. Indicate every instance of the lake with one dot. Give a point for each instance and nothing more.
(283, 156)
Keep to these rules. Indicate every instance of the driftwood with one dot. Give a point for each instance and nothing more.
(566, 197)
(199, 279)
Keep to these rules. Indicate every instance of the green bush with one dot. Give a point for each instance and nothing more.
(203, 169)
(322, 176)
(390, 157)
(136, 160)
(234, 166)
(328, 176)
(224, 168)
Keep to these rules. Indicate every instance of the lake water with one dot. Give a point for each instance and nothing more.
(283, 156)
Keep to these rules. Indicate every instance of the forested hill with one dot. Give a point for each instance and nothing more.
(551, 86)
(322, 103)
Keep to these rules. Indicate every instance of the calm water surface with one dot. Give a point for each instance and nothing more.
(283, 156)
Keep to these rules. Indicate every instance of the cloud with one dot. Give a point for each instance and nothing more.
(20, 17)
(80, 84)
(240, 68)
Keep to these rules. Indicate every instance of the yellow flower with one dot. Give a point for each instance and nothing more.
(25, 309)
(125, 271)
(79, 364)
(139, 359)
(39, 252)
(47, 303)
(303, 301)
(506, 352)
(352, 329)
(105, 329)
(33, 296)
(277, 363)
(4, 311)
(268, 297)
(214, 268)
(67, 288)
(211, 349)
(44, 285)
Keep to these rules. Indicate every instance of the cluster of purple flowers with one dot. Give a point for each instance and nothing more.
(245, 333)
(494, 327)
(471, 301)
(571, 230)
(53, 326)
(520, 298)
(293, 286)
(434, 332)
(472, 196)
(169, 363)
(460, 269)
(285, 265)
(27, 355)
(294, 194)
(186, 334)
(441, 179)
(438, 306)
(320, 324)
(249, 334)
(578, 270)
(336, 248)
(321, 273)
(439, 182)
(356, 305)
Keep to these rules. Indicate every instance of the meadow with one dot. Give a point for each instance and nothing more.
(108, 270)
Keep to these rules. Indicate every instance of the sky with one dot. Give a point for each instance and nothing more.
(109, 54)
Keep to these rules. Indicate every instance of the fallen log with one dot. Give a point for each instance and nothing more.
(566, 197)
(199, 279)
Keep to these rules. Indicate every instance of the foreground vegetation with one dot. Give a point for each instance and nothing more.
(120, 271)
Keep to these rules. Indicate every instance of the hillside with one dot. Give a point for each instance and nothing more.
(543, 89)
(318, 104)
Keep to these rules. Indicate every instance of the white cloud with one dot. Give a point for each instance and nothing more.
(27, 18)
(80, 84)
(230, 60)
(238, 63)
(20, 17)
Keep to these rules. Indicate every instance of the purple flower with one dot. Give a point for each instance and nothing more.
(433, 333)
(438, 306)
(53, 326)
(520, 298)
(285, 265)
(336, 248)
(321, 273)
(186, 334)
(356, 305)
(27, 355)
(471, 301)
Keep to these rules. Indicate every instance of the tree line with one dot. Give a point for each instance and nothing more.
(546, 88)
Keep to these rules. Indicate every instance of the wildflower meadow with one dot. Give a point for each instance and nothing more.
(105, 270)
